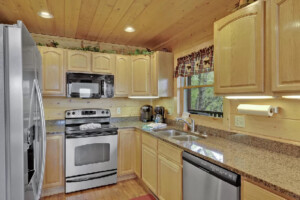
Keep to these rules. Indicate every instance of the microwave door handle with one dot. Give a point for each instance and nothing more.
(43, 136)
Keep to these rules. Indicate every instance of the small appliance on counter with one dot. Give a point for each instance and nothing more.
(159, 114)
(146, 113)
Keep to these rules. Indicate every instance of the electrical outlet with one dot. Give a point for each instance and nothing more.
(118, 110)
(239, 121)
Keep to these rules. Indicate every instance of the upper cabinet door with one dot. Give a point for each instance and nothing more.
(285, 47)
(53, 71)
(140, 75)
(239, 51)
(103, 63)
(121, 76)
(79, 61)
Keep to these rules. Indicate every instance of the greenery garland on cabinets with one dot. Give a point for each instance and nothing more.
(97, 49)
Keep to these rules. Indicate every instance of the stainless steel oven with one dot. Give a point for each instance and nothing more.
(91, 153)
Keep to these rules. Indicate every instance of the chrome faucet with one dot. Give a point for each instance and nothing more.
(191, 125)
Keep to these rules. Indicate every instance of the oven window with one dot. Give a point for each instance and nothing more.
(92, 153)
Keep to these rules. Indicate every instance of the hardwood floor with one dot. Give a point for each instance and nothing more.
(123, 190)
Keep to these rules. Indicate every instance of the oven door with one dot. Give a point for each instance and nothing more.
(91, 154)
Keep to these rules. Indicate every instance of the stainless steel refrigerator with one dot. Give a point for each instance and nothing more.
(22, 123)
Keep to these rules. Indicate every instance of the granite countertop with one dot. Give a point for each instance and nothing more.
(277, 171)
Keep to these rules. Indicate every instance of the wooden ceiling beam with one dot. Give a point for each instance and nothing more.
(118, 33)
(163, 18)
(195, 20)
(87, 12)
(57, 9)
(71, 18)
(158, 23)
(27, 14)
(8, 12)
(103, 11)
(118, 12)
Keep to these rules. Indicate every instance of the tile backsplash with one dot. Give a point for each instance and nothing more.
(55, 107)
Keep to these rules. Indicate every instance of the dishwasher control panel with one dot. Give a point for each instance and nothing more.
(213, 169)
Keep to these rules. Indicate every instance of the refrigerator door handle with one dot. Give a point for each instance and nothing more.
(43, 124)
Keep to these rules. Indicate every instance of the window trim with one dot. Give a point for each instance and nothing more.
(187, 84)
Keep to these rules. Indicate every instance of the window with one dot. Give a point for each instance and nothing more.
(196, 84)
(199, 95)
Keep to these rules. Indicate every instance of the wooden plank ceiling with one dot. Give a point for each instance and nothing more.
(158, 23)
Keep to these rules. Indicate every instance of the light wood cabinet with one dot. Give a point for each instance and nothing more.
(154, 74)
(285, 45)
(121, 75)
(138, 154)
(103, 63)
(169, 172)
(162, 64)
(249, 191)
(239, 51)
(170, 152)
(79, 61)
(126, 152)
(169, 179)
(149, 168)
(54, 164)
(53, 71)
(140, 76)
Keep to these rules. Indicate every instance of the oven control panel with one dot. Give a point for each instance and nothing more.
(83, 113)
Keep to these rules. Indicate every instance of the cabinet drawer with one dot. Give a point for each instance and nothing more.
(149, 141)
(170, 152)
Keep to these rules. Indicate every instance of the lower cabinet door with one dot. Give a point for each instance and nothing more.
(169, 179)
(54, 167)
(126, 152)
(254, 192)
(149, 168)
(138, 154)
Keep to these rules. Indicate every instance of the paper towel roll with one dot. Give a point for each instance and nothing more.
(262, 110)
(185, 115)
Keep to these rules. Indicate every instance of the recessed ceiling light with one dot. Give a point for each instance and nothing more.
(45, 14)
(129, 29)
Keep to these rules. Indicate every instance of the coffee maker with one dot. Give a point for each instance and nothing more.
(159, 114)
(146, 113)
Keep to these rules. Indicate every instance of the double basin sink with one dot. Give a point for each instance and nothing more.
(177, 135)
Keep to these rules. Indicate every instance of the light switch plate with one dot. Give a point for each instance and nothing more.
(239, 121)
(118, 110)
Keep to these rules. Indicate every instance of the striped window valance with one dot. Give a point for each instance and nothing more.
(195, 63)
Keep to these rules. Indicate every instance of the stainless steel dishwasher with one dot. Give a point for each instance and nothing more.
(203, 180)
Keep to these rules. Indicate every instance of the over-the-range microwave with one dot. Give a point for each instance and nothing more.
(90, 86)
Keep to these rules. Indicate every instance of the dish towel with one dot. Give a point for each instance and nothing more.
(89, 126)
(153, 126)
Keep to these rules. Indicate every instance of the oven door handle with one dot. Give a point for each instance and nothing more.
(91, 178)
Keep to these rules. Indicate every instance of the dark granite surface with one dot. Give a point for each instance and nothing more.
(55, 126)
(277, 170)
